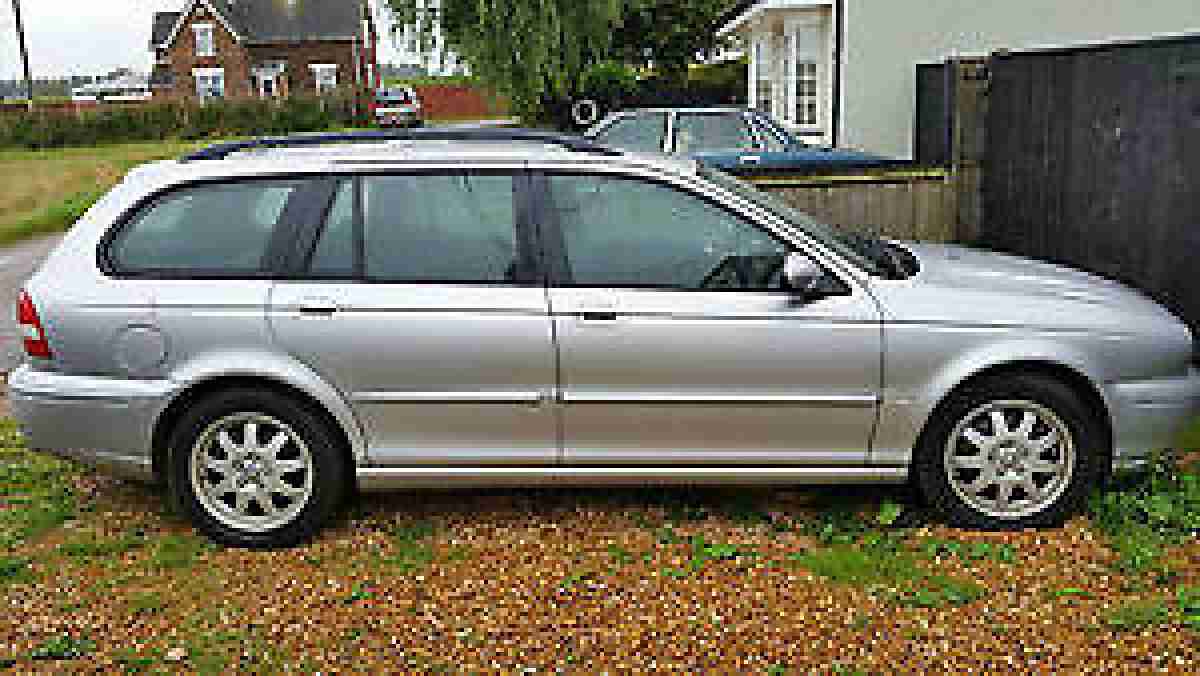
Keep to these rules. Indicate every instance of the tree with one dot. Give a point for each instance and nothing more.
(669, 33)
(538, 52)
(531, 50)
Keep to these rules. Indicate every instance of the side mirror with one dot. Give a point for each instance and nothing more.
(802, 273)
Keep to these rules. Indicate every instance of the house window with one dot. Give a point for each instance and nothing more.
(763, 89)
(325, 75)
(807, 94)
(205, 42)
(210, 83)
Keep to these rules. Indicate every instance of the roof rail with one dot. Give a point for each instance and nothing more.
(221, 151)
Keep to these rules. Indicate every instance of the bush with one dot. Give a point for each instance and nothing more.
(175, 120)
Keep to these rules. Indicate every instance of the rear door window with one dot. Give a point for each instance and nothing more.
(214, 229)
(442, 228)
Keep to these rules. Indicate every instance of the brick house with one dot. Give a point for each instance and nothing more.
(263, 48)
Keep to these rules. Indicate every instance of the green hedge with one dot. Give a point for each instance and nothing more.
(174, 120)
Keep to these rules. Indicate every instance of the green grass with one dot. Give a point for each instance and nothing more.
(93, 548)
(178, 552)
(891, 570)
(1189, 439)
(65, 647)
(1146, 512)
(33, 490)
(411, 549)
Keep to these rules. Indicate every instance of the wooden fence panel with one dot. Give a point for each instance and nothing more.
(920, 205)
(1092, 159)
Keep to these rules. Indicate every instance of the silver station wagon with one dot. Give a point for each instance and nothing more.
(269, 326)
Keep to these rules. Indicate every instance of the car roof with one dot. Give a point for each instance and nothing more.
(398, 154)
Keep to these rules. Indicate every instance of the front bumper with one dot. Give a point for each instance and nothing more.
(99, 421)
(1149, 415)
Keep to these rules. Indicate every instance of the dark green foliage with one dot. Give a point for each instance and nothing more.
(174, 120)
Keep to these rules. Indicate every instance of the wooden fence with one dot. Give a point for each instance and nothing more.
(1094, 160)
(930, 205)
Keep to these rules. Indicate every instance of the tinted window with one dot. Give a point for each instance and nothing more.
(641, 133)
(696, 133)
(334, 253)
(634, 234)
(221, 229)
(440, 228)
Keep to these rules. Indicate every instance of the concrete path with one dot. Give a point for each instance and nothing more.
(17, 263)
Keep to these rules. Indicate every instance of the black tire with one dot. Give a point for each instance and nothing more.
(1092, 451)
(330, 471)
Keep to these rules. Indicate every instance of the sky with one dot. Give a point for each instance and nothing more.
(86, 37)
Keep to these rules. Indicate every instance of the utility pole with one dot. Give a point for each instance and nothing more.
(24, 52)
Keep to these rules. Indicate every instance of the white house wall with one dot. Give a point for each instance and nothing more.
(886, 39)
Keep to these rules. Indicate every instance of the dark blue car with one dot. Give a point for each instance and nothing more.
(731, 139)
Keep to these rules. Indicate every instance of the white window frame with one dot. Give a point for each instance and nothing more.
(201, 74)
(325, 75)
(206, 39)
(809, 40)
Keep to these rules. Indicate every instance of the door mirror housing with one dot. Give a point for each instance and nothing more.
(810, 281)
(802, 273)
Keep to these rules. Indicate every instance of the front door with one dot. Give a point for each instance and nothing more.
(681, 343)
(423, 304)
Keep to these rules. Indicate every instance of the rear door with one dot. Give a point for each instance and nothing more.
(422, 301)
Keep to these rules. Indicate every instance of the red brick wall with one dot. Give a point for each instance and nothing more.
(460, 102)
(237, 60)
(230, 56)
(299, 56)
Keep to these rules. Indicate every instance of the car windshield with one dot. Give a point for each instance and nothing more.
(865, 252)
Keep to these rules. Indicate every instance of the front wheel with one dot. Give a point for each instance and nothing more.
(255, 469)
(1015, 452)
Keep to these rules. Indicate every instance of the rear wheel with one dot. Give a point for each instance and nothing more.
(255, 469)
(1014, 452)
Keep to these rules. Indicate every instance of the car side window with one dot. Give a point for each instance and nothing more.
(628, 233)
(448, 228)
(704, 132)
(334, 255)
(639, 133)
(221, 229)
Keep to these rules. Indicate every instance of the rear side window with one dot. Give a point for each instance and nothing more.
(705, 132)
(448, 228)
(208, 229)
(639, 133)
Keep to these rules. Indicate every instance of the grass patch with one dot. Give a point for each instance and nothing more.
(889, 569)
(96, 549)
(56, 218)
(411, 549)
(65, 647)
(35, 492)
(1138, 615)
(1189, 440)
(14, 571)
(177, 552)
(1147, 511)
(968, 551)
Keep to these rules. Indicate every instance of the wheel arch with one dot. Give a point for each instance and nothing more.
(170, 415)
(1089, 392)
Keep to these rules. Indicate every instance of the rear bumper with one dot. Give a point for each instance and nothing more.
(1149, 415)
(98, 421)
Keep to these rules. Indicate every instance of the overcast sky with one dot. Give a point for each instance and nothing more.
(85, 37)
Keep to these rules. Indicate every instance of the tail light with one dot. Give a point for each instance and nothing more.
(31, 328)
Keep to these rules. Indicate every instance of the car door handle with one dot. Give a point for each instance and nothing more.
(318, 311)
(600, 316)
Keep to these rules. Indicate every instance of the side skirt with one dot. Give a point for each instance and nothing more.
(378, 479)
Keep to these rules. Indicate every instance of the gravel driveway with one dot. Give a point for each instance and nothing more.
(16, 265)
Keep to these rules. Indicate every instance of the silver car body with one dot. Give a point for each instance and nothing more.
(435, 385)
